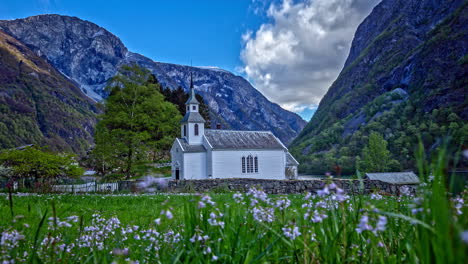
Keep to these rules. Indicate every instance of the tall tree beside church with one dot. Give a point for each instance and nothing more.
(136, 120)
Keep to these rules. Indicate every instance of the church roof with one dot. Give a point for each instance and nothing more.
(394, 177)
(290, 160)
(231, 139)
(192, 99)
(193, 117)
(190, 148)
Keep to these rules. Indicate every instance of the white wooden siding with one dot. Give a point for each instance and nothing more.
(209, 168)
(195, 165)
(191, 138)
(177, 157)
(228, 164)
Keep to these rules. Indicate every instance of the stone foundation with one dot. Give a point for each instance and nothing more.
(281, 186)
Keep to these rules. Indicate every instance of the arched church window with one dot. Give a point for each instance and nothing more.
(243, 164)
(185, 130)
(256, 164)
(196, 129)
(249, 164)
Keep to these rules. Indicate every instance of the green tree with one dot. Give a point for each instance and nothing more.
(136, 121)
(375, 156)
(37, 164)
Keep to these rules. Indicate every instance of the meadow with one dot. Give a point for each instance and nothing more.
(253, 227)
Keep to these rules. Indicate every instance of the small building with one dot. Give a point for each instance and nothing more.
(214, 153)
(399, 178)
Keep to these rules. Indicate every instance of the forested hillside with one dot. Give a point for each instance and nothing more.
(38, 105)
(406, 76)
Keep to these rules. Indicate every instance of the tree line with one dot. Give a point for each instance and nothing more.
(139, 121)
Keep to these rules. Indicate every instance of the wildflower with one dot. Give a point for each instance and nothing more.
(332, 186)
(157, 221)
(258, 194)
(214, 258)
(73, 218)
(263, 214)
(376, 196)
(380, 244)
(283, 203)
(323, 192)
(416, 205)
(213, 220)
(405, 191)
(363, 224)
(464, 236)
(318, 217)
(381, 224)
(458, 205)
(10, 240)
(120, 252)
(207, 199)
(238, 197)
(291, 232)
(207, 250)
(168, 214)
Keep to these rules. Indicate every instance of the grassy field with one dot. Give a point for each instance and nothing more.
(429, 226)
(329, 227)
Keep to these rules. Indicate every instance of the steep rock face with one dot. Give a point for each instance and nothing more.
(38, 105)
(90, 55)
(81, 50)
(418, 46)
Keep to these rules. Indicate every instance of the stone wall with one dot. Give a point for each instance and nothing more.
(281, 186)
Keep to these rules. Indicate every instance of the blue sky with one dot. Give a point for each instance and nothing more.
(291, 62)
(206, 32)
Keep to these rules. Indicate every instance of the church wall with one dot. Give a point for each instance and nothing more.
(209, 167)
(192, 139)
(228, 164)
(177, 158)
(195, 165)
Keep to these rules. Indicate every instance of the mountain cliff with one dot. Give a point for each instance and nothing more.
(38, 105)
(90, 55)
(406, 75)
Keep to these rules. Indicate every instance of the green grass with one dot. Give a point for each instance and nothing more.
(194, 234)
(243, 239)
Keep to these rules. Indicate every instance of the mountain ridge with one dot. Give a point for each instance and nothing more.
(405, 75)
(90, 55)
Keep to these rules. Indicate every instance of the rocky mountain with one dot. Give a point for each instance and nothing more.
(406, 75)
(38, 105)
(90, 55)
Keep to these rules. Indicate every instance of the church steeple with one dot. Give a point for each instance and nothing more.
(193, 124)
(192, 98)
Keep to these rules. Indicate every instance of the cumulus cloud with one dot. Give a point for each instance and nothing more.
(294, 58)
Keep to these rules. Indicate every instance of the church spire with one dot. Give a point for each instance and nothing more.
(192, 98)
(191, 81)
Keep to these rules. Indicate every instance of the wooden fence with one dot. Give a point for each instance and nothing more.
(87, 187)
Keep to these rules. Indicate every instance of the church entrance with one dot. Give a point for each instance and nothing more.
(177, 174)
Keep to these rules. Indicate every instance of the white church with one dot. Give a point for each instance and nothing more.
(214, 153)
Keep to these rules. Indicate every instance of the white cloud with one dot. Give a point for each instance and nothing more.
(294, 58)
